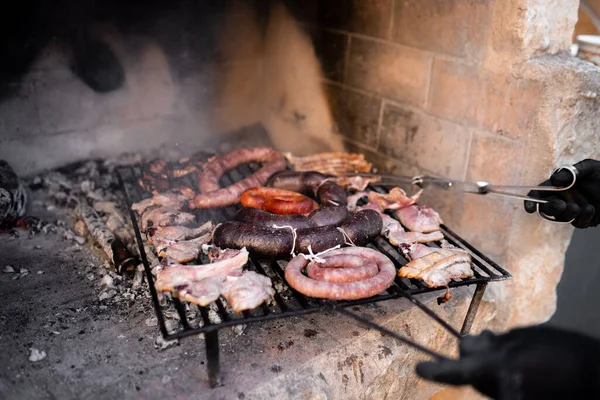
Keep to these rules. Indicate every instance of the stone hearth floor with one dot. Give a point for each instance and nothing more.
(98, 350)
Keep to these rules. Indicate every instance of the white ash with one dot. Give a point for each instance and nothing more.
(8, 269)
(239, 329)
(108, 294)
(151, 321)
(107, 281)
(172, 326)
(161, 344)
(80, 240)
(36, 355)
(40, 272)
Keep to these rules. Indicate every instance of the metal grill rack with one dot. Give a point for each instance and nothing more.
(288, 302)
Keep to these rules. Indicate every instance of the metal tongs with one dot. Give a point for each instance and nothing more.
(479, 187)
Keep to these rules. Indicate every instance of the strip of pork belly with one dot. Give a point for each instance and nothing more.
(247, 291)
(202, 292)
(419, 218)
(185, 250)
(395, 233)
(161, 237)
(164, 216)
(438, 267)
(394, 200)
(173, 276)
(170, 200)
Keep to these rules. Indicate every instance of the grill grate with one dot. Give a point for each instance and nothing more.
(288, 302)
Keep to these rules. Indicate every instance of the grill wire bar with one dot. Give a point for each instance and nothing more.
(287, 302)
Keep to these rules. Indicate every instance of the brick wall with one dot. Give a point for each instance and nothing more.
(409, 89)
(477, 90)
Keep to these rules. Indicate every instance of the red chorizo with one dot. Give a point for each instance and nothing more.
(342, 291)
(277, 201)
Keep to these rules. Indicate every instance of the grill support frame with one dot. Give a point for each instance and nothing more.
(399, 289)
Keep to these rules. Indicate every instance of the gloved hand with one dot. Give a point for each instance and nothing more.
(581, 202)
(526, 363)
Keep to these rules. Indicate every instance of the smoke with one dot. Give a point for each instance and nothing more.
(273, 79)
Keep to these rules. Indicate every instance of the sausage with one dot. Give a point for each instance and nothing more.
(342, 268)
(327, 215)
(330, 193)
(266, 241)
(211, 195)
(362, 227)
(347, 290)
(277, 201)
(263, 218)
(310, 182)
(263, 241)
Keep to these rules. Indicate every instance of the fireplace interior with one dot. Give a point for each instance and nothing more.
(463, 89)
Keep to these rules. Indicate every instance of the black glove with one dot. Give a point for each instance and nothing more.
(582, 202)
(525, 363)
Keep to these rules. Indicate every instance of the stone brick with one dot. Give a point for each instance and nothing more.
(494, 159)
(486, 223)
(522, 105)
(368, 17)
(454, 27)
(396, 72)
(455, 91)
(433, 144)
(331, 51)
(495, 101)
(356, 115)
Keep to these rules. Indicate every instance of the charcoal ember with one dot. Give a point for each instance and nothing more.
(79, 228)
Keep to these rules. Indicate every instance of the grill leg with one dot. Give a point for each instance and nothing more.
(212, 354)
(473, 307)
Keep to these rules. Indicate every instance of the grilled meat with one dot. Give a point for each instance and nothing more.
(169, 199)
(394, 200)
(161, 237)
(186, 250)
(165, 216)
(436, 267)
(173, 276)
(419, 218)
(247, 291)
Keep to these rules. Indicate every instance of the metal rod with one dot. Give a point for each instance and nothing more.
(473, 307)
(149, 277)
(212, 356)
(392, 334)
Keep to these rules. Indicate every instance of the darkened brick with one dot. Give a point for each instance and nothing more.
(433, 144)
(331, 50)
(357, 115)
(368, 17)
